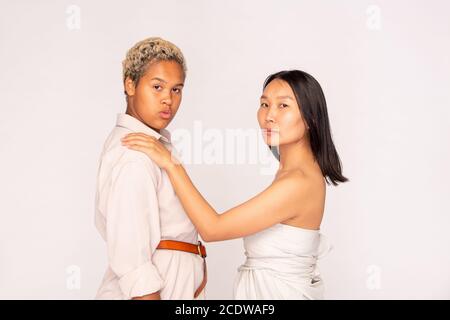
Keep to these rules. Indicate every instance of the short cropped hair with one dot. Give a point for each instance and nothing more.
(143, 53)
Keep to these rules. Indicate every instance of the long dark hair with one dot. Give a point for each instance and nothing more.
(313, 107)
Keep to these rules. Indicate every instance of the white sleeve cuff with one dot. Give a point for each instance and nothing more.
(141, 281)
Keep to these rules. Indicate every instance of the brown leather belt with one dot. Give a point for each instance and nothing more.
(188, 247)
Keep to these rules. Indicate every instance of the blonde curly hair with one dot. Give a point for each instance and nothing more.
(143, 53)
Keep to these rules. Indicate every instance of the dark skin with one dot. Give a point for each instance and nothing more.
(158, 90)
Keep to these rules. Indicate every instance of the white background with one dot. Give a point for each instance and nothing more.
(384, 67)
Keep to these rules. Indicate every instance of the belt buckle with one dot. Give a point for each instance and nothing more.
(199, 248)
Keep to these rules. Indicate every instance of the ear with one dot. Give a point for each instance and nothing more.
(130, 88)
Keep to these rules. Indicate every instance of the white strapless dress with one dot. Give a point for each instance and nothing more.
(281, 264)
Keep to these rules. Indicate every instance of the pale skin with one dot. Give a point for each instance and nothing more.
(158, 90)
(295, 197)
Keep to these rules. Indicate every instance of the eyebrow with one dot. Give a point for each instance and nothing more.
(279, 97)
(162, 80)
(159, 79)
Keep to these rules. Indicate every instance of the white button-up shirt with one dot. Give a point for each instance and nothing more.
(135, 208)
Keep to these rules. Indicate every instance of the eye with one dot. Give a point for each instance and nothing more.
(157, 87)
(177, 90)
(263, 105)
(283, 105)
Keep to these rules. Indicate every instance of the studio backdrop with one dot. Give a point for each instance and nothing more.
(383, 65)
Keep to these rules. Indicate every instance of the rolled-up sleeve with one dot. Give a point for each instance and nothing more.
(132, 227)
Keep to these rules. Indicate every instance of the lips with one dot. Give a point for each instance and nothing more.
(270, 131)
(167, 114)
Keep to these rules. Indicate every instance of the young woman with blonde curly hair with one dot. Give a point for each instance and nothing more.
(152, 246)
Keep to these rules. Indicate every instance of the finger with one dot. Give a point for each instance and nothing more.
(144, 144)
(130, 135)
(138, 148)
(139, 134)
(137, 138)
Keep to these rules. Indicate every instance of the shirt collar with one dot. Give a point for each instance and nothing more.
(130, 122)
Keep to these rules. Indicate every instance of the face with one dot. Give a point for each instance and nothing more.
(279, 115)
(156, 98)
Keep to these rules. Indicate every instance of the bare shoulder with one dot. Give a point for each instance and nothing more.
(309, 192)
(301, 179)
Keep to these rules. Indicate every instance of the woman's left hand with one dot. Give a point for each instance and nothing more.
(151, 147)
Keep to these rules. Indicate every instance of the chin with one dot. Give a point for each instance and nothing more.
(163, 125)
(157, 123)
(271, 143)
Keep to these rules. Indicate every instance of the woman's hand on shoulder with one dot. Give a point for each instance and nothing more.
(152, 147)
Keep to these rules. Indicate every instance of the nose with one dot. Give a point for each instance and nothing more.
(167, 99)
(270, 116)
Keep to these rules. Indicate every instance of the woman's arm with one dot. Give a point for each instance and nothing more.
(280, 201)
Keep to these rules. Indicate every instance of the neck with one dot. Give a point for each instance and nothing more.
(295, 155)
